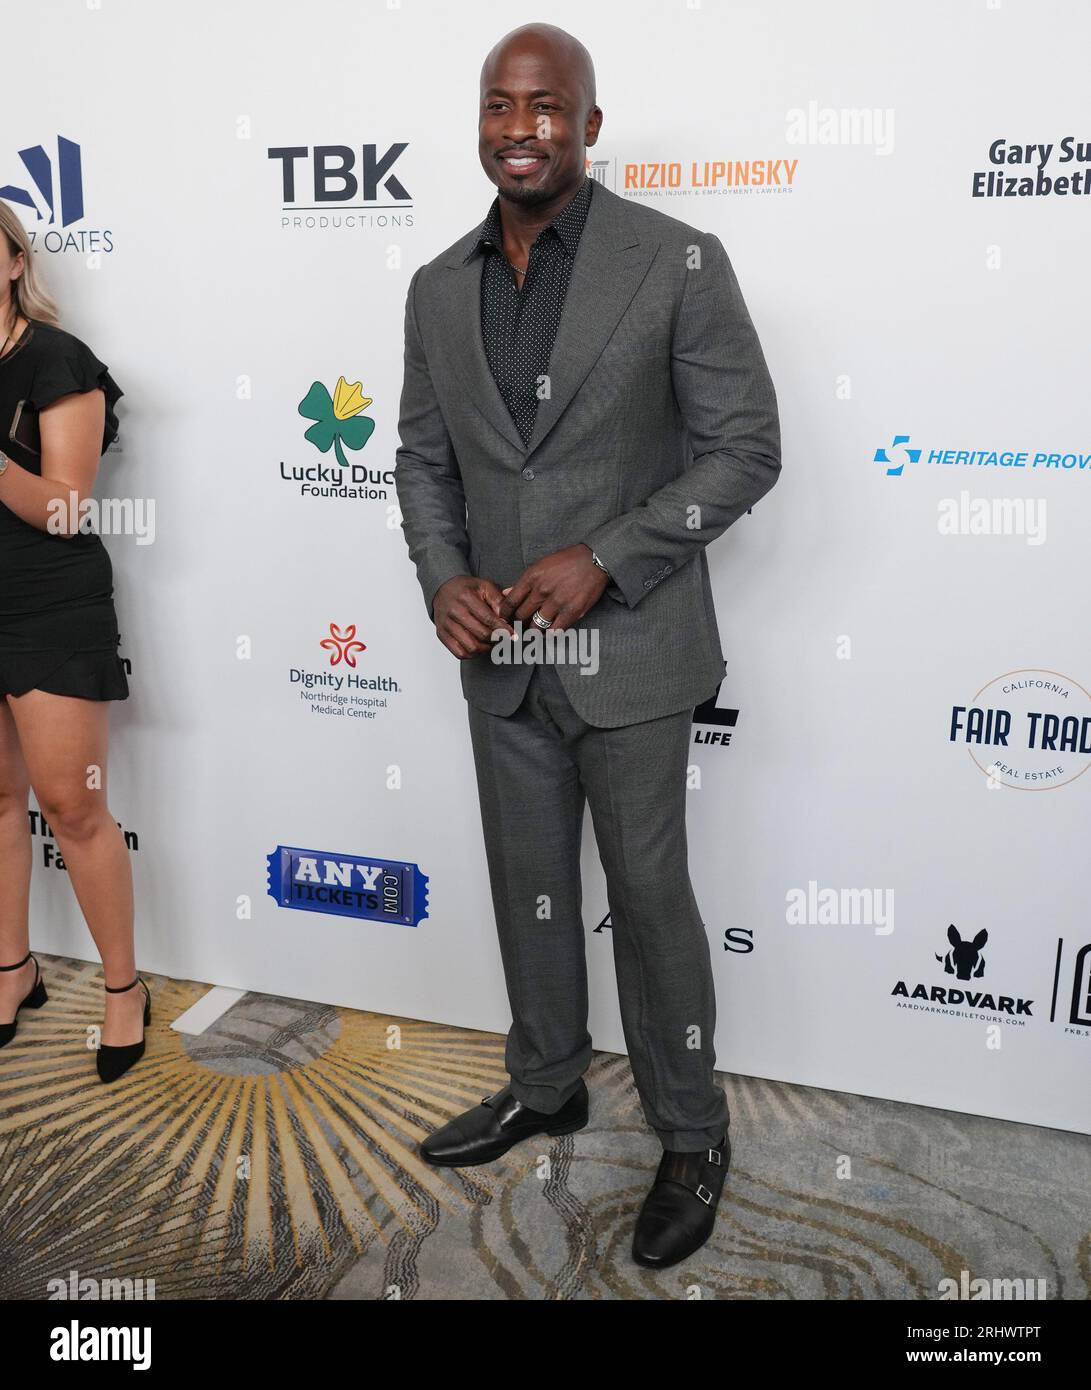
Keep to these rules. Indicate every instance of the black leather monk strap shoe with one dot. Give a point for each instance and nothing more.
(680, 1211)
(493, 1127)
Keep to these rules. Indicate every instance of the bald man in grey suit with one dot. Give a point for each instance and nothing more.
(586, 406)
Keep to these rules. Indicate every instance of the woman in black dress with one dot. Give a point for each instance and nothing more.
(59, 664)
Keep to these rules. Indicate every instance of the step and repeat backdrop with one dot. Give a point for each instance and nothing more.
(888, 805)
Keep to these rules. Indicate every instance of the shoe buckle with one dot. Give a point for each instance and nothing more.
(714, 1157)
(704, 1194)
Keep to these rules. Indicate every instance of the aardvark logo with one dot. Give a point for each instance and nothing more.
(964, 959)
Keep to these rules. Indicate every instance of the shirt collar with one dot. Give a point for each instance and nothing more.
(567, 225)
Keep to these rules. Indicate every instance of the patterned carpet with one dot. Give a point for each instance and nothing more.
(273, 1157)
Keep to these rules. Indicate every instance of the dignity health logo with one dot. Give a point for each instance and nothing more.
(339, 423)
(343, 694)
(54, 192)
(348, 885)
(342, 646)
(901, 452)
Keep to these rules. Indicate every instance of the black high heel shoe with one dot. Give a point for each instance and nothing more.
(34, 1000)
(113, 1062)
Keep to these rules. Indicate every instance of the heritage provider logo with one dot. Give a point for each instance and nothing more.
(1028, 729)
(901, 451)
(348, 885)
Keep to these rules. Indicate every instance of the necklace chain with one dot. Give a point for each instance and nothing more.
(7, 340)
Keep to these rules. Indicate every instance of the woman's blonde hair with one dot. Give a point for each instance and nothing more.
(28, 296)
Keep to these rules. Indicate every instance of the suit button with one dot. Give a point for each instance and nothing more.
(528, 473)
(649, 583)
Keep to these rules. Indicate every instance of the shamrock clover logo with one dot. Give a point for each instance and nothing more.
(337, 420)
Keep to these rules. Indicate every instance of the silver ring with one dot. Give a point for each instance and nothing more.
(538, 621)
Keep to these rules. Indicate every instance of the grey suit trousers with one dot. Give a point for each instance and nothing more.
(536, 768)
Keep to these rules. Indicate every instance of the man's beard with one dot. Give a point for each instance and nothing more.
(527, 197)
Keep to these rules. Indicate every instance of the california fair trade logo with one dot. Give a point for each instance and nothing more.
(1029, 729)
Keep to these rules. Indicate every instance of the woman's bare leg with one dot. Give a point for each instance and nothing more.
(15, 852)
(64, 743)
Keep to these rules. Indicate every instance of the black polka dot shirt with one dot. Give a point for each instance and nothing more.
(518, 327)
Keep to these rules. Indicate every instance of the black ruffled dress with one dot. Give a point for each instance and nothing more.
(58, 627)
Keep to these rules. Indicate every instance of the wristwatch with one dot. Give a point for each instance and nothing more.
(595, 561)
(4, 461)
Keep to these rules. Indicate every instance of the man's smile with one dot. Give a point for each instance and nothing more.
(521, 162)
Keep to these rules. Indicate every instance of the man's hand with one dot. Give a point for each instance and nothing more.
(467, 611)
(562, 587)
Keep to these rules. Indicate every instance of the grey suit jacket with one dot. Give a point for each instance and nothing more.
(659, 430)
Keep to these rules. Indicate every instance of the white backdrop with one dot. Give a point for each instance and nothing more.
(890, 301)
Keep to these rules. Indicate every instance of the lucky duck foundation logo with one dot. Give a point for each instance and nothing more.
(965, 960)
(348, 885)
(339, 423)
(1028, 729)
(340, 689)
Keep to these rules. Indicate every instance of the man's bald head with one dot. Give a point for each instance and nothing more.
(545, 40)
(538, 114)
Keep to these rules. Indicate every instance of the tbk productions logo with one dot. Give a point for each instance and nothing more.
(342, 187)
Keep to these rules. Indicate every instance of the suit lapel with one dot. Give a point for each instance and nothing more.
(611, 261)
